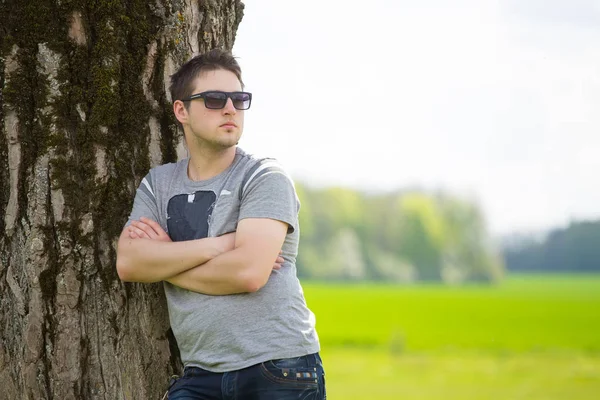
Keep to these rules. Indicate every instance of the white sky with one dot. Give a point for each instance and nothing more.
(498, 101)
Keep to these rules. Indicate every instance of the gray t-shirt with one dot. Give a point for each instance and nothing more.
(226, 333)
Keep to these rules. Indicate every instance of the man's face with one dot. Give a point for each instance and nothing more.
(216, 129)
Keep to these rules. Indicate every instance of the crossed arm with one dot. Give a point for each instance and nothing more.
(233, 263)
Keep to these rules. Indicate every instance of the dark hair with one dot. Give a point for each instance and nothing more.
(182, 81)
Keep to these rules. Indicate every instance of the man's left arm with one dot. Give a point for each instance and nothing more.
(268, 212)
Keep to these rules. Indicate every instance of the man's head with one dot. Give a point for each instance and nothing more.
(208, 100)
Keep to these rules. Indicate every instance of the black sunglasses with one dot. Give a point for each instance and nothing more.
(216, 100)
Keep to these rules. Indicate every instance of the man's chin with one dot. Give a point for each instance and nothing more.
(222, 143)
(226, 144)
(230, 141)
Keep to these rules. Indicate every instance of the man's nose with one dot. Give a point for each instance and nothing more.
(229, 109)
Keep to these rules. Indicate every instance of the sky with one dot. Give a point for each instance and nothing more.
(496, 102)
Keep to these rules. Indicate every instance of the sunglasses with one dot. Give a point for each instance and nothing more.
(216, 100)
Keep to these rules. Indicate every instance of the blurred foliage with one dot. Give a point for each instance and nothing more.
(401, 237)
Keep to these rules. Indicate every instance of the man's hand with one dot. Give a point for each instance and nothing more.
(149, 229)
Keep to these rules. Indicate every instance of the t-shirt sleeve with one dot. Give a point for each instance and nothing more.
(144, 203)
(270, 193)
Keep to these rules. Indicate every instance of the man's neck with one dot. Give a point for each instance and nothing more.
(205, 164)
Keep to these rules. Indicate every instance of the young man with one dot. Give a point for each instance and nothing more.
(212, 227)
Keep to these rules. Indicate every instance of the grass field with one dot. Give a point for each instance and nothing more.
(530, 337)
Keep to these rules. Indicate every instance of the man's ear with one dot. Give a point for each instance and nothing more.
(180, 111)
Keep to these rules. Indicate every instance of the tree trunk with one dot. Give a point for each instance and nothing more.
(84, 113)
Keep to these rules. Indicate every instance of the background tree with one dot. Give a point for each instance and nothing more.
(84, 113)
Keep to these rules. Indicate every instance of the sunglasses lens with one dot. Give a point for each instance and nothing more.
(241, 101)
(215, 100)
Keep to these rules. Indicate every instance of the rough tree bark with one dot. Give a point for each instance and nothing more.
(84, 113)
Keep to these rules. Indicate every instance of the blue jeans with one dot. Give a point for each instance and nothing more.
(301, 378)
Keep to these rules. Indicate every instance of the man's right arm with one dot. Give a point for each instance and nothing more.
(150, 256)
(149, 260)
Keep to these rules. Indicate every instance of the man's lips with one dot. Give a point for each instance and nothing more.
(229, 125)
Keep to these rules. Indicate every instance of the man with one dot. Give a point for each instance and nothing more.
(212, 227)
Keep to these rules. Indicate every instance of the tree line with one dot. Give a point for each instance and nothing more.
(575, 248)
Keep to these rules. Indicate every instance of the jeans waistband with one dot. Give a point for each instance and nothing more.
(197, 371)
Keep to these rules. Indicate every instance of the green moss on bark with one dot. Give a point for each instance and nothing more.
(101, 102)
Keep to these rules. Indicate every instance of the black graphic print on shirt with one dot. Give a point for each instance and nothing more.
(188, 215)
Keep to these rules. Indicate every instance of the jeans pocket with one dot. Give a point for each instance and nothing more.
(297, 371)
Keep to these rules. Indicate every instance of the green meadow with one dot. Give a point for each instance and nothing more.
(529, 337)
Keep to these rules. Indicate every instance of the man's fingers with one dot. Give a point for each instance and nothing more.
(153, 224)
(142, 226)
(158, 232)
(278, 263)
(137, 233)
(143, 234)
(148, 229)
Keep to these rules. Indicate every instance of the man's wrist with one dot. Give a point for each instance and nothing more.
(214, 247)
